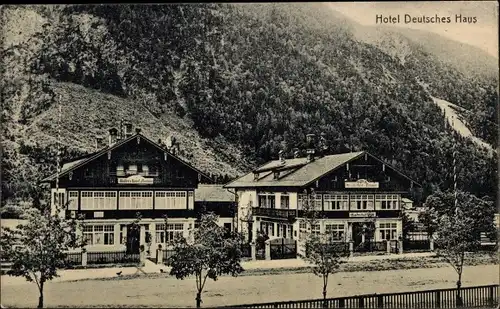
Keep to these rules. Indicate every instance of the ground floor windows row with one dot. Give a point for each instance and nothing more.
(281, 229)
(108, 200)
(344, 231)
(99, 234)
(104, 234)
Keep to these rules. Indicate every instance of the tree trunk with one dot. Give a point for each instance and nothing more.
(325, 303)
(40, 298)
(198, 300)
(459, 297)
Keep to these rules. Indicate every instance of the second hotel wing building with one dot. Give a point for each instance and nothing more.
(350, 189)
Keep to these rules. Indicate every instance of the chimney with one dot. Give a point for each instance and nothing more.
(323, 145)
(98, 143)
(170, 142)
(310, 139)
(310, 155)
(137, 130)
(113, 134)
(281, 155)
(127, 130)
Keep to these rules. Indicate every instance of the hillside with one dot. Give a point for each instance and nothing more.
(454, 71)
(455, 120)
(236, 83)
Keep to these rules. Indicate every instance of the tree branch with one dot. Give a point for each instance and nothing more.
(204, 280)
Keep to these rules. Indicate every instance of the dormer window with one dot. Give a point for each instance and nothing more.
(120, 170)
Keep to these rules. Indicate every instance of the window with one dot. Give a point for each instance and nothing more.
(267, 200)
(362, 202)
(309, 200)
(302, 230)
(267, 228)
(132, 169)
(144, 170)
(336, 232)
(99, 234)
(73, 200)
(388, 231)
(387, 201)
(173, 230)
(285, 201)
(336, 202)
(120, 170)
(59, 199)
(98, 200)
(170, 200)
(316, 229)
(136, 200)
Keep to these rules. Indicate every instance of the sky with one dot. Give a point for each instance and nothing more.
(482, 34)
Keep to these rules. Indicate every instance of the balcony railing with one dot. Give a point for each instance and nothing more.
(275, 213)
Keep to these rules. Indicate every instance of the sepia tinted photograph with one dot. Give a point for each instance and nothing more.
(252, 155)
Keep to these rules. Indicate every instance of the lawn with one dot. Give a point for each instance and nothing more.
(169, 292)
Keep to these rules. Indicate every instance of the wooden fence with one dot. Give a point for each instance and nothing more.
(112, 257)
(477, 296)
(106, 257)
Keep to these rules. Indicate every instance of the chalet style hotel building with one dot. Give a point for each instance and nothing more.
(349, 190)
(133, 174)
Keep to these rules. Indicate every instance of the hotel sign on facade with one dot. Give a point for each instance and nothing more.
(135, 180)
(362, 214)
(361, 183)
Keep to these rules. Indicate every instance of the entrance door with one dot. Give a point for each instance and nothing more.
(133, 234)
(357, 233)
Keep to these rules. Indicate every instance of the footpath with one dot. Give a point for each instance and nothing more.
(152, 268)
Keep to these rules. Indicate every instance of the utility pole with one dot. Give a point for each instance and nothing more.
(455, 172)
(58, 156)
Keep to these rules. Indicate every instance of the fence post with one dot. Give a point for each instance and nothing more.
(490, 298)
(268, 250)
(388, 246)
(253, 251)
(361, 302)
(159, 256)
(84, 258)
(142, 256)
(431, 244)
(438, 299)
(400, 246)
(351, 249)
(380, 301)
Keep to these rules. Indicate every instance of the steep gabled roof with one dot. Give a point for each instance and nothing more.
(213, 193)
(70, 166)
(301, 173)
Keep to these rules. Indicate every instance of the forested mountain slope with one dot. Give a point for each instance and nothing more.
(254, 77)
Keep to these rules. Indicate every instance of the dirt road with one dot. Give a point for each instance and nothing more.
(169, 292)
(455, 121)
